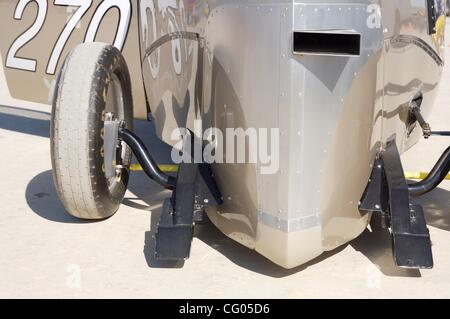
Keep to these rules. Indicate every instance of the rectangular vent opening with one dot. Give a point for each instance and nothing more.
(327, 43)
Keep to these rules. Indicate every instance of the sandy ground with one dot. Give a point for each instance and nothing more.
(46, 253)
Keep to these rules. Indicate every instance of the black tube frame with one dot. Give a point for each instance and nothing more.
(436, 176)
(145, 159)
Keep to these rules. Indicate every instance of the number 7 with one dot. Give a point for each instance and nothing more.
(84, 6)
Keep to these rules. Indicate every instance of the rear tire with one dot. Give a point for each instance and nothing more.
(86, 88)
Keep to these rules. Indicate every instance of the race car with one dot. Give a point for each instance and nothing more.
(321, 98)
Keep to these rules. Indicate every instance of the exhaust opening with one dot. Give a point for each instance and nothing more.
(327, 43)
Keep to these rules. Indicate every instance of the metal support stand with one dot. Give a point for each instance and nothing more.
(195, 188)
(388, 194)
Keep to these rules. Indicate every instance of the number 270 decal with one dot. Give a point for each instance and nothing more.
(28, 64)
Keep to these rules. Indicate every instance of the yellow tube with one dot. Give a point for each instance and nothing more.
(164, 168)
(420, 175)
(167, 168)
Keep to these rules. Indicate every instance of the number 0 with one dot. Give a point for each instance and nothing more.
(124, 23)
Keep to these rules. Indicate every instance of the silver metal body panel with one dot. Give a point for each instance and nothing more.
(334, 112)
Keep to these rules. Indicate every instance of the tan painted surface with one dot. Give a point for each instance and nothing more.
(40, 48)
(43, 250)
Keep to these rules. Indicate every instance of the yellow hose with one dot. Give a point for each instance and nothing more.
(420, 175)
(164, 168)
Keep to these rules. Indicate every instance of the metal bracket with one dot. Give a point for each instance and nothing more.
(432, 16)
(376, 198)
(195, 189)
(110, 142)
(416, 115)
(387, 193)
(411, 238)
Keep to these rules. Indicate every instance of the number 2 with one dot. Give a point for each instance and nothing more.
(12, 60)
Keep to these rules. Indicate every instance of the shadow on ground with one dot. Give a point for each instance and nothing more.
(42, 198)
(377, 245)
(147, 196)
(436, 206)
(235, 252)
(25, 121)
